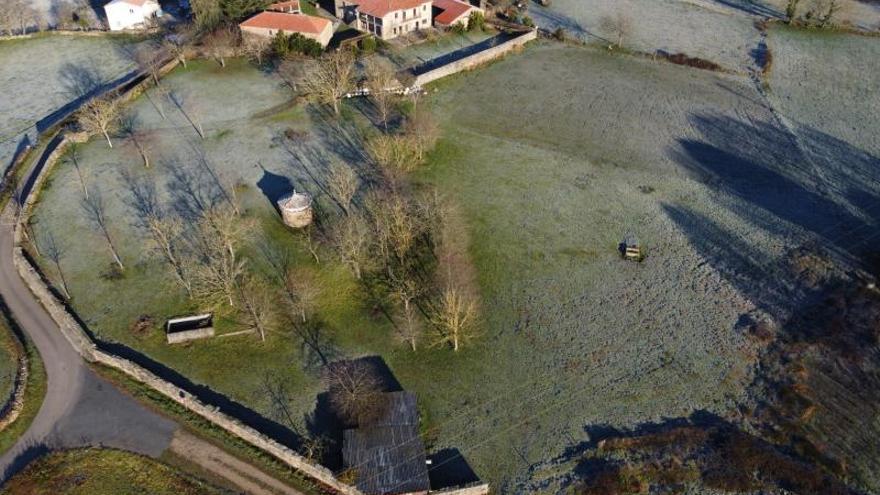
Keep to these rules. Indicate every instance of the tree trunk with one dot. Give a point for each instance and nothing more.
(106, 135)
(336, 106)
(113, 249)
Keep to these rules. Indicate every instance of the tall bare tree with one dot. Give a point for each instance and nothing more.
(218, 268)
(255, 47)
(177, 44)
(95, 211)
(423, 131)
(408, 328)
(618, 25)
(395, 154)
(301, 291)
(219, 45)
(455, 318)
(165, 236)
(98, 115)
(355, 391)
(383, 87)
(130, 129)
(352, 237)
(331, 78)
(343, 183)
(149, 61)
(55, 253)
(256, 305)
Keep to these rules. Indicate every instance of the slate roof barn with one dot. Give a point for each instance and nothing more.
(388, 455)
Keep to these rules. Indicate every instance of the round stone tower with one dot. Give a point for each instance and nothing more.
(296, 209)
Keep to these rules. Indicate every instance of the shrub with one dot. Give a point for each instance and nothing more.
(368, 44)
(476, 21)
(528, 21)
(458, 28)
(280, 46)
(560, 34)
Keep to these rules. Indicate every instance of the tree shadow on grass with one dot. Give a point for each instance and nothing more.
(812, 183)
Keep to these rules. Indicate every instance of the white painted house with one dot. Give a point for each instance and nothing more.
(129, 14)
(389, 19)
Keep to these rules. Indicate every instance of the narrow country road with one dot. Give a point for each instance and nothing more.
(82, 409)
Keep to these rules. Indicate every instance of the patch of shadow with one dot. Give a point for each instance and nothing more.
(449, 468)
(31, 453)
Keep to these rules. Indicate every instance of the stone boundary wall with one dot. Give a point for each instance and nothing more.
(83, 344)
(476, 489)
(10, 411)
(476, 59)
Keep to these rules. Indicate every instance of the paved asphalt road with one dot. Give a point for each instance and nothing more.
(80, 408)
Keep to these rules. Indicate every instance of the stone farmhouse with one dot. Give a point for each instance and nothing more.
(285, 17)
(388, 19)
(131, 14)
(448, 13)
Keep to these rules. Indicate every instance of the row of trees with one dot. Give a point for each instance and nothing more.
(20, 16)
(404, 245)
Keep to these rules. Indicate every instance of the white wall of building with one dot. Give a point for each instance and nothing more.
(122, 15)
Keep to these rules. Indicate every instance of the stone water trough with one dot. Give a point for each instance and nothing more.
(186, 328)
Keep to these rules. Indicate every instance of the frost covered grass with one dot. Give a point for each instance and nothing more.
(43, 74)
(698, 29)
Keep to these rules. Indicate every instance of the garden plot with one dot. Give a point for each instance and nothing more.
(556, 155)
(724, 36)
(43, 74)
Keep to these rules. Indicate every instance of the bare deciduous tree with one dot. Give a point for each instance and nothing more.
(396, 223)
(331, 78)
(98, 115)
(382, 86)
(191, 110)
(395, 154)
(618, 25)
(176, 45)
(456, 315)
(219, 45)
(255, 47)
(355, 391)
(129, 127)
(343, 183)
(148, 61)
(95, 211)
(256, 306)
(423, 131)
(55, 253)
(455, 318)
(217, 268)
(352, 238)
(165, 233)
(301, 291)
(408, 327)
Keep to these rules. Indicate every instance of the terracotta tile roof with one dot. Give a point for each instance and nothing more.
(284, 6)
(299, 23)
(452, 11)
(380, 8)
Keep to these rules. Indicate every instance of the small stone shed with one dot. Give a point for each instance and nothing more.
(187, 328)
(296, 209)
(388, 454)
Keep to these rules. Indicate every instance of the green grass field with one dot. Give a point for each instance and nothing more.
(103, 472)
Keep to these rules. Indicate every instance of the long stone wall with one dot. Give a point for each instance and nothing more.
(86, 347)
(476, 59)
(11, 410)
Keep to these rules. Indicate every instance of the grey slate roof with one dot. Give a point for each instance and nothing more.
(388, 454)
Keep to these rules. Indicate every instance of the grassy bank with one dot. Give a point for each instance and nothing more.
(104, 472)
(35, 390)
